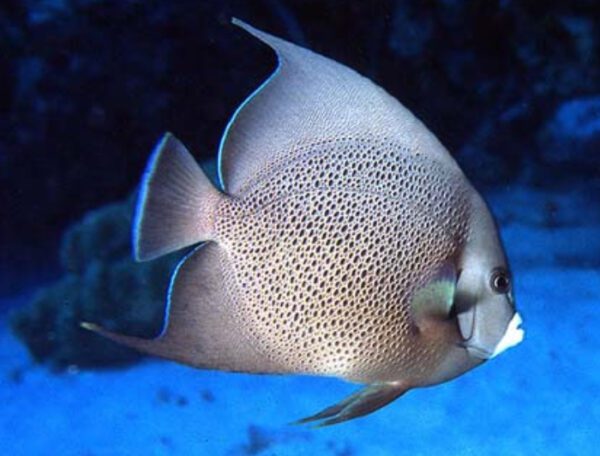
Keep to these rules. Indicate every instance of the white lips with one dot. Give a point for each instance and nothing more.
(512, 336)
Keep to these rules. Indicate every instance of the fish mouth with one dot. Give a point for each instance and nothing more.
(478, 352)
(513, 335)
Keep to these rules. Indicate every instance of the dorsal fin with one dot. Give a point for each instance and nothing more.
(310, 98)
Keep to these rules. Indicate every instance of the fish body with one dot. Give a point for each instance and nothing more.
(345, 241)
(326, 250)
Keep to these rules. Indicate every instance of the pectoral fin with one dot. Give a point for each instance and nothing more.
(361, 403)
(435, 298)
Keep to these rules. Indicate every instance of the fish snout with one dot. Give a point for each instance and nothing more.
(513, 335)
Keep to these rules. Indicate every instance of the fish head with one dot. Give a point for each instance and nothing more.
(484, 301)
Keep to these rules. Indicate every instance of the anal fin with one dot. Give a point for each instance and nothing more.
(361, 403)
(201, 329)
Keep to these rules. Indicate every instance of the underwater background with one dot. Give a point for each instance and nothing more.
(511, 88)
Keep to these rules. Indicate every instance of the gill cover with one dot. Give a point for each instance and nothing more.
(489, 327)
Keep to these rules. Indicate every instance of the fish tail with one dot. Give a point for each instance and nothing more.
(176, 202)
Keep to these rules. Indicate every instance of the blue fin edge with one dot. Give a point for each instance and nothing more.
(174, 275)
(248, 99)
(149, 171)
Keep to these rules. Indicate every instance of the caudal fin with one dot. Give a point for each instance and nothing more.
(176, 202)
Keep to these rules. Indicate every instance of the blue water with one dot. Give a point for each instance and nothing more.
(512, 89)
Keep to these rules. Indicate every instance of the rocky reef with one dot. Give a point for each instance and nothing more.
(101, 283)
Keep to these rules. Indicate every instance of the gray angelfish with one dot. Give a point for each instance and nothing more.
(345, 242)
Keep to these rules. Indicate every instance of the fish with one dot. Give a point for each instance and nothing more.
(342, 240)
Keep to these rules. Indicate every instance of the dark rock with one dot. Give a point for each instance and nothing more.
(258, 441)
(164, 395)
(411, 29)
(102, 284)
(98, 237)
(16, 375)
(207, 396)
(166, 441)
(182, 401)
(572, 135)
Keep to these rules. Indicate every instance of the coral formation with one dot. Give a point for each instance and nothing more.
(572, 136)
(101, 284)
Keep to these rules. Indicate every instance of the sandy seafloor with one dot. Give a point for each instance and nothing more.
(540, 398)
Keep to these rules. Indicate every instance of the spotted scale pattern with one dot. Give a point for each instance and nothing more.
(327, 245)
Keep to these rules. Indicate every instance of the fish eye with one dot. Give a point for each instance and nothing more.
(500, 281)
